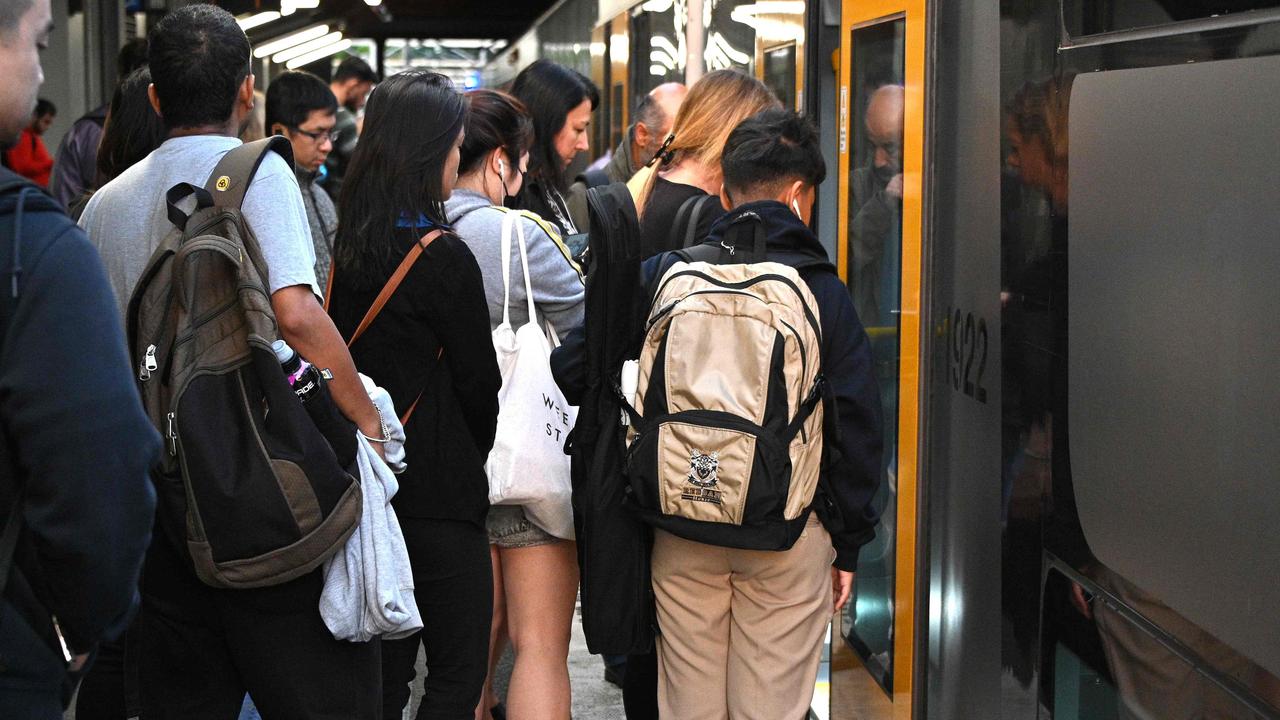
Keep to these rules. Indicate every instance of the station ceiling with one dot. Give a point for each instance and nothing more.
(491, 19)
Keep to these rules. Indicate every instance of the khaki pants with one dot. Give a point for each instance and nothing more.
(742, 630)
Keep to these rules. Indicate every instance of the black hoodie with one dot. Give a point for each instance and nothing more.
(846, 362)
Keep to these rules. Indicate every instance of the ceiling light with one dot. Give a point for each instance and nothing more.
(289, 41)
(373, 3)
(318, 54)
(285, 56)
(249, 22)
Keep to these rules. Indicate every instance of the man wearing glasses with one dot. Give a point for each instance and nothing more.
(301, 107)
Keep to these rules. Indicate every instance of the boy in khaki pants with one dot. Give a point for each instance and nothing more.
(742, 630)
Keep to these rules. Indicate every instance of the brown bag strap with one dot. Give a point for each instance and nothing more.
(390, 288)
(383, 297)
(230, 179)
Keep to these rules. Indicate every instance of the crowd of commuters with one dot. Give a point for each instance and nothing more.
(396, 210)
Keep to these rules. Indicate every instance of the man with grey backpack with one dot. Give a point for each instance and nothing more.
(207, 246)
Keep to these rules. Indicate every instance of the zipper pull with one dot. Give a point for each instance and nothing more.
(148, 364)
(172, 434)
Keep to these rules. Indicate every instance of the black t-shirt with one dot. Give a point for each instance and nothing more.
(658, 229)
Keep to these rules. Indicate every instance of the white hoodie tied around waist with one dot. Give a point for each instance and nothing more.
(368, 585)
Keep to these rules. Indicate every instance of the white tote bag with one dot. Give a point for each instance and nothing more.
(527, 465)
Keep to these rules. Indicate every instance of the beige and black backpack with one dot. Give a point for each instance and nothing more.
(726, 438)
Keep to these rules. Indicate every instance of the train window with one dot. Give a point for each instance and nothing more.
(1173, 354)
(730, 35)
(780, 72)
(658, 33)
(1089, 17)
(874, 278)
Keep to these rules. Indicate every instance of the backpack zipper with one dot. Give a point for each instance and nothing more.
(148, 364)
(172, 433)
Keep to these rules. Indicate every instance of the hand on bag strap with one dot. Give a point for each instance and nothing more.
(384, 296)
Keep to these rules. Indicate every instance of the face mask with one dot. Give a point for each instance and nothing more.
(508, 200)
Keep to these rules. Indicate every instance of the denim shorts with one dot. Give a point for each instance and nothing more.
(509, 528)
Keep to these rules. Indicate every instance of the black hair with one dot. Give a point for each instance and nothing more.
(649, 112)
(11, 12)
(495, 120)
(133, 128)
(769, 149)
(411, 124)
(354, 67)
(132, 56)
(294, 95)
(44, 107)
(198, 57)
(550, 91)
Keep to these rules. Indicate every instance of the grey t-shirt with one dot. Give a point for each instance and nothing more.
(127, 218)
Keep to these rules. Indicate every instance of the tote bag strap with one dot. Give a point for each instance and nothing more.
(512, 219)
(383, 297)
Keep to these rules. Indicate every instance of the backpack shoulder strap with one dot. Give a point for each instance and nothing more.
(691, 230)
(678, 237)
(230, 179)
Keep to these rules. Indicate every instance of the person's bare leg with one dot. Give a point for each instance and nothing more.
(497, 637)
(541, 584)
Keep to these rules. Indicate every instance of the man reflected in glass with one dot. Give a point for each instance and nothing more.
(875, 228)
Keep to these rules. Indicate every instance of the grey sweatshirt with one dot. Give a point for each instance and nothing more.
(558, 291)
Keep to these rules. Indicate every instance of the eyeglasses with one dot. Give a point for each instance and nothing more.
(319, 137)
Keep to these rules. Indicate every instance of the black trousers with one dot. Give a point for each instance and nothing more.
(453, 585)
(199, 649)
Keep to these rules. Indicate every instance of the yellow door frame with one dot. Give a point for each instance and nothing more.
(855, 14)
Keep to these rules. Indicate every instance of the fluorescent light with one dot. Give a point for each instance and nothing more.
(319, 54)
(285, 56)
(463, 43)
(657, 5)
(249, 22)
(373, 3)
(289, 41)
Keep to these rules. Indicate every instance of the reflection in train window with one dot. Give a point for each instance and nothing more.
(658, 33)
(874, 277)
(780, 73)
(1101, 664)
(1088, 17)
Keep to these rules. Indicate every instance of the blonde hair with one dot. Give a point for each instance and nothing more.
(710, 112)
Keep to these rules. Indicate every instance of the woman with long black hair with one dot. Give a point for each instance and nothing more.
(430, 347)
(560, 101)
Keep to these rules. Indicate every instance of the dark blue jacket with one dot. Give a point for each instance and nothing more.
(846, 362)
(75, 453)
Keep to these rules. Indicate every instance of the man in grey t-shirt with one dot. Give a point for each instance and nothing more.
(201, 649)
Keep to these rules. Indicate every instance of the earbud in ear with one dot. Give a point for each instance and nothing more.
(502, 168)
(795, 207)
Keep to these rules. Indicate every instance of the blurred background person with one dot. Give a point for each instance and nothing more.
(76, 163)
(352, 82)
(29, 157)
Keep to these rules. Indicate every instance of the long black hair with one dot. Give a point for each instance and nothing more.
(410, 126)
(550, 91)
(133, 128)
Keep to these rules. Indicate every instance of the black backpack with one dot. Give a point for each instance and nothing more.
(613, 544)
(247, 483)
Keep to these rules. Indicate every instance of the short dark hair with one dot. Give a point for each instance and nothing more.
(769, 149)
(294, 95)
(133, 55)
(411, 125)
(495, 120)
(133, 128)
(649, 112)
(354, 67)
(198, 57)
(45, 107)
(11, 12)
(550, 91)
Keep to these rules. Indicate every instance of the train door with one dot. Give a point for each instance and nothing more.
(881, 145)
(780, 49)
(610, 51)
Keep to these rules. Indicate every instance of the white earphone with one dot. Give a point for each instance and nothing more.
(795, 207)
(502, 168)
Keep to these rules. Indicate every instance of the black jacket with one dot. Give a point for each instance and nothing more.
(439, 307)
(846, 361)
(76, 451)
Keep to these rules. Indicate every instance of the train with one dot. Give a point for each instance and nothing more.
(1057, 239)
